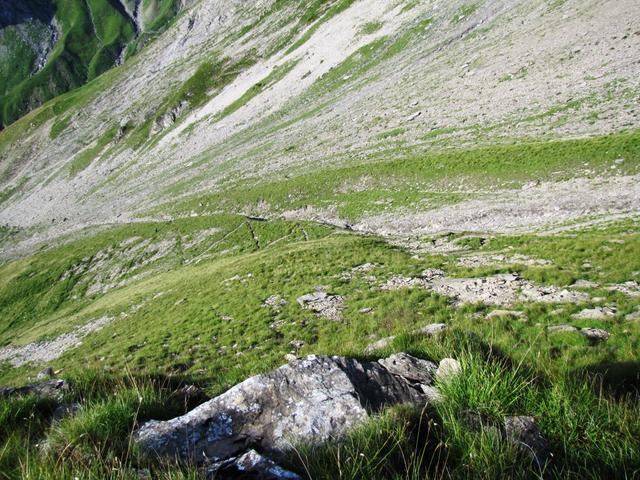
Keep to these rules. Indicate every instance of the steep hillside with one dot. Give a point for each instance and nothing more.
(50, 47)
(269, 181)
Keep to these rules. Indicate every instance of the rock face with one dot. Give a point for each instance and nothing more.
(307, 401)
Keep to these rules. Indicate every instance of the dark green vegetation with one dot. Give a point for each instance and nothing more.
(93, 34)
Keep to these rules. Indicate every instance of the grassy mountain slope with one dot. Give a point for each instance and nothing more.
(91, 36)
(160, 222)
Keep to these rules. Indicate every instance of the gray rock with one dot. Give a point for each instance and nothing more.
(250, 465)
(431, 329)
(523, 431)
(505, 313)
(323, 304)
(448, 367)
(379, 344)
(307, 401)
(597, 313)
(585, 284)
(46, 373)
(633, 316)
(411, 368)
(595, 335)
(563, 328)
(51, 389)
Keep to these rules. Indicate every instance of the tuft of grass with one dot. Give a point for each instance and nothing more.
(84, 158)
(370, 28)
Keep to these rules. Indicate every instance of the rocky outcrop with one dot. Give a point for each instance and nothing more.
(305, 402)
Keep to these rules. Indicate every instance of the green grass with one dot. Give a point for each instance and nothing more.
(93, 33)
(370, 27)
(84, 158)
(394, 132)
(411, 179)
(464, 12)
(201, 306)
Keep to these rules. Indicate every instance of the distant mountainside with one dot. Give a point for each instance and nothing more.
(48, 47)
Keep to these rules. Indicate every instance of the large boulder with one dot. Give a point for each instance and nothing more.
(304, 402)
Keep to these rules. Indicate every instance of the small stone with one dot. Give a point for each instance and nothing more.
(597, 313)
(379, 344)
(633, 316)
(290, 357)
(431, 329)
(595, 335)
(505, 313)
(46, 373)
(366, 310)
(448, 367)
(585, 284)
(563, 328)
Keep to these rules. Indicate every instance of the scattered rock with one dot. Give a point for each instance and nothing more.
(561, 328)
(597, 313)
(505, 313)
(585, 284)
(307, 401)
(47, 351)
(502, 289)
(431, 329)
(290, 357)
(484, 260)
(448, 367)
(595, 335)
(275, 302)
(323, 304)
(379, 344)
(414, 116)
(365, 310)
(296, 344)
(630, 289)
(633, 316)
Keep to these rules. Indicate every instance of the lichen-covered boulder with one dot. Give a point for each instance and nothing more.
(304, 402)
